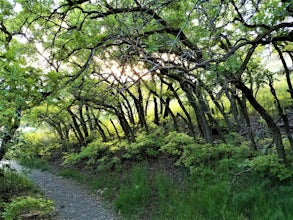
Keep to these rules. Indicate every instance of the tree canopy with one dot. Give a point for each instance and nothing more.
(83, 66)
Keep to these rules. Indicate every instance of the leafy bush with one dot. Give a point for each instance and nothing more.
(39, 144)
(87, 153)
(13, 183)
(96, 154)
(20, 207)
(207, 159)
(204, 154)
(268, 165)
(35, 163)
(146, 145)
(176, 141)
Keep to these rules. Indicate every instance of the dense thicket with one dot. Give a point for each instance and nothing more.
(113, 68)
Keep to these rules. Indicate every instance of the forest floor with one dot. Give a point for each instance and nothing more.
(72, 200)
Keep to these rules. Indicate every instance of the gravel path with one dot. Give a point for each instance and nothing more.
(72, 200)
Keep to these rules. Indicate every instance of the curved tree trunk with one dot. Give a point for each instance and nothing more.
(124, 125)
(247, 120)
(265, 115)
(202, 121)
(116, 130)
(287, 72)
(89, 118)
(282, 114)
(82, 120)
(188, 121)
(76, 127)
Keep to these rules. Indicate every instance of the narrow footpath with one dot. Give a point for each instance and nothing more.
(72, 200)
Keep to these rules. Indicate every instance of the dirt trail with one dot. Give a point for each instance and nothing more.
(72, 200)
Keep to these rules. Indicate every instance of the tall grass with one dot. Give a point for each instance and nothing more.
(140, 193)
(18, 196)
(35, 163)
(13, 184)
(134, 196)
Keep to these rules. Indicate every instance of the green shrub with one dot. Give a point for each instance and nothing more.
(35, 163)
(269, 165)
(97, 155)
(176, 141)
(40, 144)
(26, 206)
(14, 184)
(88, 153)
(146, 145)
(204, 154)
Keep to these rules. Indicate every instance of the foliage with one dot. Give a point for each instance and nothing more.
(13, 184)
(175, 143)
(109, 68)
(19, 197)
(146, 145)
(139, 192)
(97, 155)
(19, 207)
(40, 144)
(35, 163)
(268, 165)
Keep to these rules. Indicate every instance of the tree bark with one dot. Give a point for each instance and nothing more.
(276, 133)
(9, 134)
(247, 120)
(282, 114)
(82, 120)
(76, 127)
(156, 113)
(202, 121)
(287, 72)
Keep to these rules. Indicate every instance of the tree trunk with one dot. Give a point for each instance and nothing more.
(147, 104)
(128, 108)
(82, 120)
(76, 127)
(264, 114)
(200, 116)
(89, 118)
(9, 134)
(124, 124)
(116, 130)
(233, 106)
(219, 107)
(188, 121)
(282, 114)
(167, 107)
(101, 131)
(156, 113)
(287, 72)
(247, 120)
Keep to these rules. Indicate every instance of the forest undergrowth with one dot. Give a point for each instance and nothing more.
(171, 175)
(20, 198)
(169, 109)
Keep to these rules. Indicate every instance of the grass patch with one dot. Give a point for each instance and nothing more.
(14, 184)
(19, 198)
(138, 194)
(105, 183)
(35, 163)
(134, 196)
